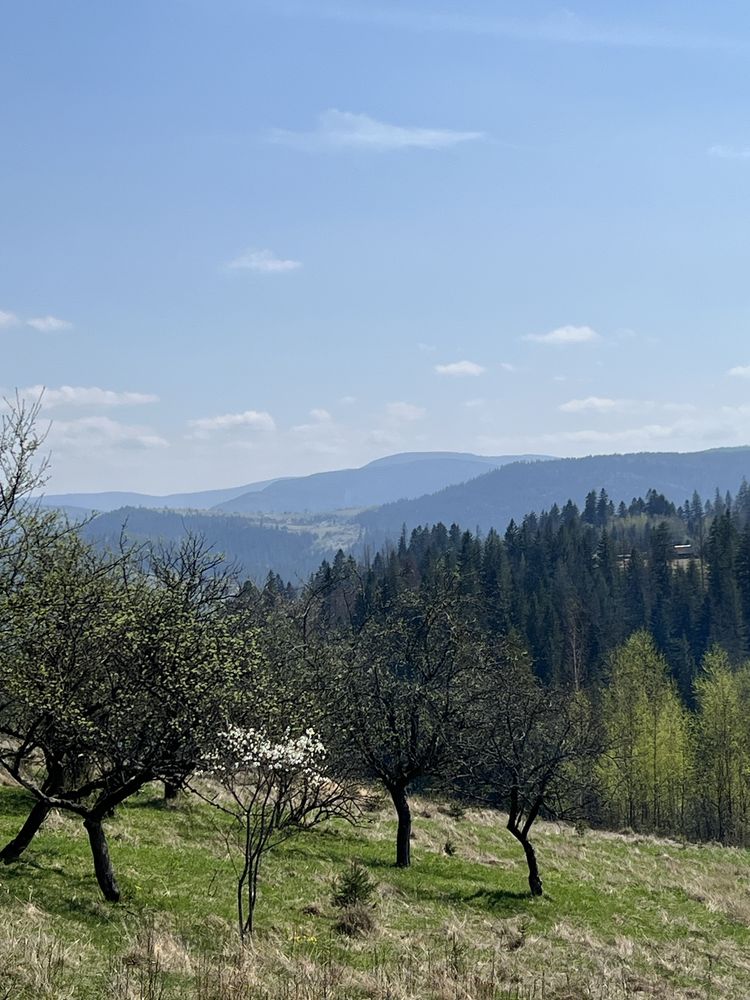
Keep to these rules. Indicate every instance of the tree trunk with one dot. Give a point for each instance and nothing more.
(403, 835)
(105, 874)
(171, 791)
(13, 851)
(521, 833)
(535, 881)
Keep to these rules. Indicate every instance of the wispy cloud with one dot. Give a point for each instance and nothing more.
(342, 130)
(320, 415)
(598, 404)
(401, 412)
(89, 434)
(255, 420)
(508, 367)
(730, 152)
(263, 262)
(460, 368)
(604, 404)
(565, 335)
(740, 371)
(683, 435)
(49, 324)
(70, 395)
(8, 319)
(564, 27)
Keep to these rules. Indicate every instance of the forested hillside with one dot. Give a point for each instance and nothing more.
(589, 665)
(643, 608)
(491, 500)
(378, 482)
(254, 550)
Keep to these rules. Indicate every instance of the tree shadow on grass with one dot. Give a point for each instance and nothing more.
(505, 901)
(61, 892)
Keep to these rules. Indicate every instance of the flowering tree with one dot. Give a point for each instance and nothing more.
(271, 790)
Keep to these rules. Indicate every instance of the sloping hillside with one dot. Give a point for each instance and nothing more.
(252, 549)
(624, 916)
(382, 481)
(512, 491)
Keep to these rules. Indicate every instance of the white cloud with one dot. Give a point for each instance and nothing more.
(740, 371)
(473, 404)
(348, 400)
(507, 367)
(602, 404)
(49, 324)
(401, 412)
(460, 368)
(730, 152)
(337, 130)
(686, 434)
(263, 262)
(597, 403)
(320, 415)
(565, 335)
(7, 319)
(92, 434)
(69, 395)
(251, 419)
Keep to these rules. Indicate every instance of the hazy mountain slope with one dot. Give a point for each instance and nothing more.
(253, 549)
(202, 500)
(382, 481)
(512, 491)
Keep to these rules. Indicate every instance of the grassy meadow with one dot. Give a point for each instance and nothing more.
(623, 915)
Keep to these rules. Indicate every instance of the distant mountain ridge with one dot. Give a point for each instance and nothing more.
(405, 475)
(203, 500)
(385, 480)
(289, 526)
(516, 489)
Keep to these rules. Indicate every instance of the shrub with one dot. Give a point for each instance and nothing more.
(353, 887)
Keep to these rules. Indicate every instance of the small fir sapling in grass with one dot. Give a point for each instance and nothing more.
(353, 887)
(353, 893)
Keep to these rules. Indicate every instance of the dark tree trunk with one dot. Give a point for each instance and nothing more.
(535, 881)
(105, 874)
(403, 834)
(171, 791)
(13, 851)
(521, 833)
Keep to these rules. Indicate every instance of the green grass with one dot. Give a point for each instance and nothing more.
(621, 916)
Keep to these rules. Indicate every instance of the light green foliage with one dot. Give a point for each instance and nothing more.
(645, 771)
(108, 672)
(722, 758)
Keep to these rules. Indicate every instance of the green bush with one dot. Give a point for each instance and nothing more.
(353, 888)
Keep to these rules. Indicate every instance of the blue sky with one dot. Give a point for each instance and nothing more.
(241, 239)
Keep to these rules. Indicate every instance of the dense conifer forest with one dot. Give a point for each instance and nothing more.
(641, 609)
